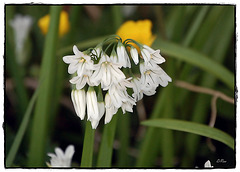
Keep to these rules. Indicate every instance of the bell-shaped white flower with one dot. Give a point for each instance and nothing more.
(137, 92)
(79, 62)
(118, 92)
(145, 54)
(101, 110)
(110, 109)
(134, 54)
(123, 57)
(79, 102)
(154, 55)
(61, 159)
(106, 72)
(81, 81)
(152, 75)
(92, 105)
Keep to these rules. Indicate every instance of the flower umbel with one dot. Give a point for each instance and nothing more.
(103, 70)
(61, 159)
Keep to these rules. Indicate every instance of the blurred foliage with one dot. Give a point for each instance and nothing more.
(189, 37)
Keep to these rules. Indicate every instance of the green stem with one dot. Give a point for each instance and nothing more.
(123, 134)
(106, 147)
(88, 144)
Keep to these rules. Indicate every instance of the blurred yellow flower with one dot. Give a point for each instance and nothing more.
(64, 25)
(139, 31)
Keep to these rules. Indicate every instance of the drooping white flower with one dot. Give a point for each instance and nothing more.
(101, 110)
(92, 105)
(21, 27)
(145, 54)
(154, 55)
(123, 57)
(79, 102)
(110, 109)
(106, 72)
(134, 54)
(81, 81)
(61, 159)
(118, 92)
(79, 62)
(152, 75)
(137, 92)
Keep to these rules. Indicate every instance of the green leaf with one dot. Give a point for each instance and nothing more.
(197, 59)
(40, 130)
(192, 127)
(19, 136)
(88, 144)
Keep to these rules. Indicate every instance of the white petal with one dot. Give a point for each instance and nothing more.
(59, 153)
(76, 51)
(134, 54)
(81, 103)
(70, 59)
(94, 123)
(72, 68)
(101, 109)
(69, 151)
(74, 102)
(146, 55)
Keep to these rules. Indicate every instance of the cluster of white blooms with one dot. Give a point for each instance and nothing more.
(104, 76)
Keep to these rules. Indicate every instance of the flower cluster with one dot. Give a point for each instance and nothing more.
(113, 75)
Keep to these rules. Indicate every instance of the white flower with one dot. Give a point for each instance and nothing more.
(101, 110)
(127, 106)
(81, 81)
(152, 75)
(21, 27)
(79, 102)
(92, 105)
(110, 109)
(118, 93)
(114, 57)
(123, 57)
(145, 54)
(208, 164)
(154, 55)
(61, 159)
(137, 92)
(134, 54)
(79, 62)
(106, 72)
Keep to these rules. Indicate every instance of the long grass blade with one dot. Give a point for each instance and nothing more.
(192, 127)
(38, 138)
(196, 59)
(19, 136)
